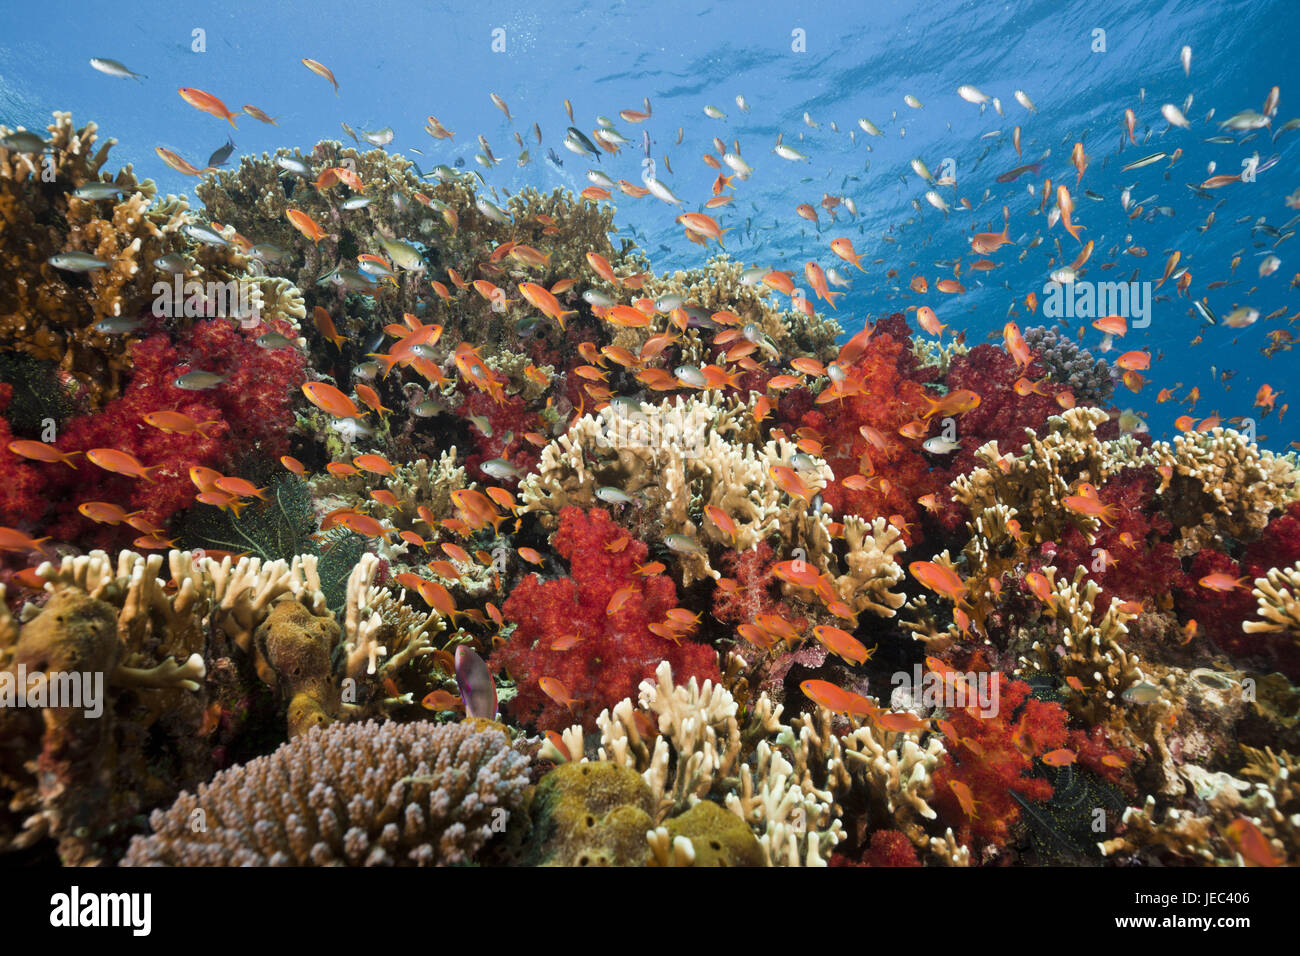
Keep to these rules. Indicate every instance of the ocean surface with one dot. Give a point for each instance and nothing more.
(1080, 64)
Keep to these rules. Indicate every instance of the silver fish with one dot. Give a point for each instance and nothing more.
(355, 202)
(172, 262)
(379, 137)
(1144, 161)
(76, 261)
(119, 325)
(113, 68)
(690, 375)
(274, 340)
(205, 235)
(267, 252)
(614, 496)
(23, 141)
(199, 380)
(683, 544)
(500, 468)
(295, 166)
(491, 210)
(96, 191)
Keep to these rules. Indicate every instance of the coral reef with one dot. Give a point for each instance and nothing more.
(610, 647)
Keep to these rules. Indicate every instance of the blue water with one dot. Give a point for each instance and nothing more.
(397, 63)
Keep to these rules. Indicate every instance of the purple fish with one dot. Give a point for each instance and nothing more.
(477, 689)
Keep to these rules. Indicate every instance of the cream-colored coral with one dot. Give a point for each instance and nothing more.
(872, 568)
(698, 753)
(380, 627)
(1034, 482)
(233, 597)
(1219, 483)
(1278, 594)
(676, 459)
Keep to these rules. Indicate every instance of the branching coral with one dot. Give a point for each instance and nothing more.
(1219, 484)
(676, 459)
(366, 794)
(692, 750)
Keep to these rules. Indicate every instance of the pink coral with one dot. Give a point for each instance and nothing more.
(616, 650)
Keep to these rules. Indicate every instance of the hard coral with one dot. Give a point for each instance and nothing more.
(616, 649)
(369, 794)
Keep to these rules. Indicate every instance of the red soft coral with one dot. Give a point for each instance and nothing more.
(1138, 563)
(23, 495)
(617, 651)
(886, 401)
(1002, 415)
(252, 412)
(999, 762)
(508, 421)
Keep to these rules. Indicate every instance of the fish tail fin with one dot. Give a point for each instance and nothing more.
(147, 473)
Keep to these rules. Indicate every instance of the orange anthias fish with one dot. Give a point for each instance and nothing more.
(940, 579)
(207, 103)
(843, 248)
(1066, 205)
(178, 164)
(121, 462)
(837, 699)
(1222, 582)
(1251, 843)
(985, 243)
(305, 224)
(11, 539)
(40, 451)
(1112, 325)
(555, 689)
(320, 69)
(1091, 507)
(788, 480)
(957, 402)
(329, 399)
(177, 423)
(1016, 345)
(546, 303)
(843, 643)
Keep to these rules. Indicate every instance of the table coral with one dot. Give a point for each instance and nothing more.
(365, 794)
